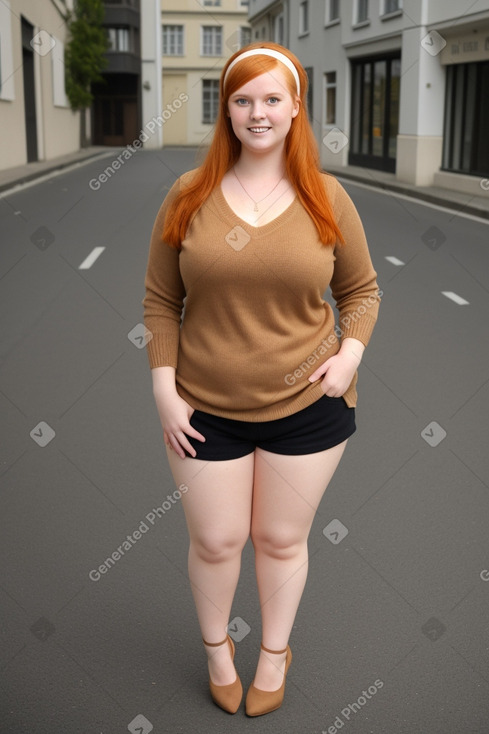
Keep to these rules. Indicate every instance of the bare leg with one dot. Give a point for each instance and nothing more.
(287, 492)
(217, 509)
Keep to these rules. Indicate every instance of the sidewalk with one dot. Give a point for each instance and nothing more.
(11, 177)
(459, 202)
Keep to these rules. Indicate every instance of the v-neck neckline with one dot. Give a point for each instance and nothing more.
(261, 230)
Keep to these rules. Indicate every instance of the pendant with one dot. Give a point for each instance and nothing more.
(255, 207)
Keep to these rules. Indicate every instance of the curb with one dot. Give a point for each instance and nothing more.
(31, 176)
(414, 193)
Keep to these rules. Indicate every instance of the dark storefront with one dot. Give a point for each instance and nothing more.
(375, 112)
(116, 112)
(466, 135)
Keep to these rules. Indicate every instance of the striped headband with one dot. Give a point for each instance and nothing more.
(267, 52)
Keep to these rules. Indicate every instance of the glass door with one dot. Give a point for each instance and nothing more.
(375, 113)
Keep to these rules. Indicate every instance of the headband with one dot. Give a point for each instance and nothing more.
(267, 52)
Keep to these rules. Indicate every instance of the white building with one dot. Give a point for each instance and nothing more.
(35, 118)
(36, 121)
(401, 86)
(198, 37)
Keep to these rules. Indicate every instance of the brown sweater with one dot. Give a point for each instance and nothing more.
(255, 324)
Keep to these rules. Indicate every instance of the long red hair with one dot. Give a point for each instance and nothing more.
(301, 152)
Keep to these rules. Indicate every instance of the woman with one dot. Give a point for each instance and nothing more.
(255, 393)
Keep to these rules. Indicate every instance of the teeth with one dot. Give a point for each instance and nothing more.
(258, 129)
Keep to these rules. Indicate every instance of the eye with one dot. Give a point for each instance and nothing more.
(241, 101)
(273, 100)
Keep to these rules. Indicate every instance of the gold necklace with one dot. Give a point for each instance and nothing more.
(255, 208)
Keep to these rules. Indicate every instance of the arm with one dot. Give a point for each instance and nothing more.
(174, 411)
(354, 288)
(163, 305)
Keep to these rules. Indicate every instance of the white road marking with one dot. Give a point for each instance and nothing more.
(394, 260)
(94, 255)
(455, 298)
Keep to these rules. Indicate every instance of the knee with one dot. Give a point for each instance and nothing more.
(217, 548)
(279, 543)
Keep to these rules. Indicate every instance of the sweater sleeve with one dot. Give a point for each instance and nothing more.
(165, 293)
(354, 282)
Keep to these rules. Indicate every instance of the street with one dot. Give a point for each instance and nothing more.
(100, 633)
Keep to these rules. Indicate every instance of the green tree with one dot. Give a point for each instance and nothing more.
(85, 56)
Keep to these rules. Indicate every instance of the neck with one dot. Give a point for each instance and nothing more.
(258, 165)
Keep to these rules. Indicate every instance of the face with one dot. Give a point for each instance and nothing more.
(262, 111)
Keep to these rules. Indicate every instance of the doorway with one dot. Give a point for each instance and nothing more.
(375, 112)
(29, 91)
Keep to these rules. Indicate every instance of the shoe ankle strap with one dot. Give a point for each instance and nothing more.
(275, 652)
(215, 644)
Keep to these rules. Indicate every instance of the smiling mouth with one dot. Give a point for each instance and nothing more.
(258, 129)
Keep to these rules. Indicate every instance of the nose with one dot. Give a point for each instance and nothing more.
(257, 111)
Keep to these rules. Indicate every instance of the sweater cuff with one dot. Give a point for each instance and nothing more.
(358, 328)
(162, 350)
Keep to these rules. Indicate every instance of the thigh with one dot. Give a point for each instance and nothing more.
(218, 496)
(287, 492)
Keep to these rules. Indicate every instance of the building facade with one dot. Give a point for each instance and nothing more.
(395, 85)
(35, 117)
(130, 92)
(198, 36)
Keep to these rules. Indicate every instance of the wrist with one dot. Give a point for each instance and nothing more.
(164, 380)
(352, 348)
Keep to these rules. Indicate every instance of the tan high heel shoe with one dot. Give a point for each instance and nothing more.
(260, 702)
(226, 697)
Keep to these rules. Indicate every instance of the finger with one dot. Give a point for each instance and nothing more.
(319, 372)
(174, 445)
(181, 442)
(190, 431)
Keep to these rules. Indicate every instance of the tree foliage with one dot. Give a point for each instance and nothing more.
(85, 52)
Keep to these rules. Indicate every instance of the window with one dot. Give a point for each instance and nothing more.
(278, 29)
(310, 86)
(211, 40)
(173, 40)
(332, 11)
(244, 3)
(210, 100)
(391, 6)
(330, 98)
(304, 17)
(211, 3)
(244, 36)
(361, 14)
(465, 139)
(119, 39)
(7, 89)
(375, 113)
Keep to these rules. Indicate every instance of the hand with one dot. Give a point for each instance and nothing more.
(175, 414)
(338, 370)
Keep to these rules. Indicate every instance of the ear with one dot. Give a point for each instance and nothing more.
(296, 108)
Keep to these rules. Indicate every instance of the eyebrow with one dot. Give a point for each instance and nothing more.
(267, 94)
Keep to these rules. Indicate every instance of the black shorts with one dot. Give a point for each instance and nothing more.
(322, 425)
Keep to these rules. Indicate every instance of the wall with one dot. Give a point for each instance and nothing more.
(57, 126)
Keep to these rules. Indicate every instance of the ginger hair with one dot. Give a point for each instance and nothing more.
(300, 152)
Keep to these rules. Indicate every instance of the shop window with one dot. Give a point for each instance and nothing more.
(375, 112)
(465, 138)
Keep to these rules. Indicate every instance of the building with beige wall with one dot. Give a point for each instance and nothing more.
(198, 36)
(395, 85)
(36, 121)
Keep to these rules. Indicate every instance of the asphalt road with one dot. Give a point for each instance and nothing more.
(392, 636)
